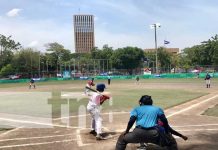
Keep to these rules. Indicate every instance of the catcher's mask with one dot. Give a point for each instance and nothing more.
(100, 87)
(145, 100)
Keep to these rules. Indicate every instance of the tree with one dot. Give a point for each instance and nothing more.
(57, 54)
(102, 56)
(104, 53)
(7, 47)
(203, 54)
(26, 62)
(150, 59)
(6, 70)
(164, 59)
(127, 58)
(184, 62)
(174, 62)
(210, 48)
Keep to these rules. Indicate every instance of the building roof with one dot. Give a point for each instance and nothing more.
(170, 50)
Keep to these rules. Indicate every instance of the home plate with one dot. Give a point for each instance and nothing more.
(88, 138)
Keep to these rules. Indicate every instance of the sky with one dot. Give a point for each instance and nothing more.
(118, 23)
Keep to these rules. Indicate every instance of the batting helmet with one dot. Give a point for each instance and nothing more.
(146, 100)
(100, 87)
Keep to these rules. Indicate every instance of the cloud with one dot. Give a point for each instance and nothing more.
(14, 12)
(96, 18)
(33, 44)
(36, 33)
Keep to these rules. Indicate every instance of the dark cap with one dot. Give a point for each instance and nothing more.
(146, 100)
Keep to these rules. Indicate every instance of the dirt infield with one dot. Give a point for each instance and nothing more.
(202, 131)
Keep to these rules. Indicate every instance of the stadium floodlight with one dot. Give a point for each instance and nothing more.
(39, 68)
(155, 26)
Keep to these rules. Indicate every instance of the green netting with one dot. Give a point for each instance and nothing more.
(215, 75)
(15, 81)
(176, 75)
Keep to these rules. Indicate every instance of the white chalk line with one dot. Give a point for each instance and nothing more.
(192, 106)
(38, 137)
(37, 123)
(36, 144)
(198, 125)
(181, 130)
(198, 130)
(79, 139)
(89, 115)
(8, 132)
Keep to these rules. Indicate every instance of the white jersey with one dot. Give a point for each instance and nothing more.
(93, 108)
(94, 100)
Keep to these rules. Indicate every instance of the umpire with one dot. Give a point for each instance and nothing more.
(146, 117)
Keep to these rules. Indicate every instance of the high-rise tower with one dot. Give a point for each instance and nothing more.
(84, 33)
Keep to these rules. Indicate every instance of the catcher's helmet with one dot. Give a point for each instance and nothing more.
(100, 87)
(145, 100)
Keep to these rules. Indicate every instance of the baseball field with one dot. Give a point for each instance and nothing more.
(53, 116)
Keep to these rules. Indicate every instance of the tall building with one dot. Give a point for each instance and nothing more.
(84, 33)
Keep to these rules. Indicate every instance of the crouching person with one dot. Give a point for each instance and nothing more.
(146, 117)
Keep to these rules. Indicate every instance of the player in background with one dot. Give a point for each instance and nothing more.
(137, 80)
(93, 107)
(207, 79)
(89, 85)
(32, 83)
(108, 79)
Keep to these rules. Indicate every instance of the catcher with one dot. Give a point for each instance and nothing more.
(93, 107)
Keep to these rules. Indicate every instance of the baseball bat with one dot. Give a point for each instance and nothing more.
(93, 90)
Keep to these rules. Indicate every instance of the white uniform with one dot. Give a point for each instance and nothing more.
(87, 91)
(93, 108)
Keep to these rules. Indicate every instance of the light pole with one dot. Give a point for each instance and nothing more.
(47, 54)
(39, 64)
(155, 26)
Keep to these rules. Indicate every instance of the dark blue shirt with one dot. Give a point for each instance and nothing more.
(207, 77)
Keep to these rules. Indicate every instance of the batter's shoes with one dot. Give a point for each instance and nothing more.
(100, 137)
(142, 146)
(93, 132)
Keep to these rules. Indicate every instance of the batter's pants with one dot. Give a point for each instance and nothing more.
(96, 122)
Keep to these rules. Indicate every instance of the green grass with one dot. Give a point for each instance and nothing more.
(125, 95)
(212, 111)
(11, 85)
(173, 80)
(127, 99)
